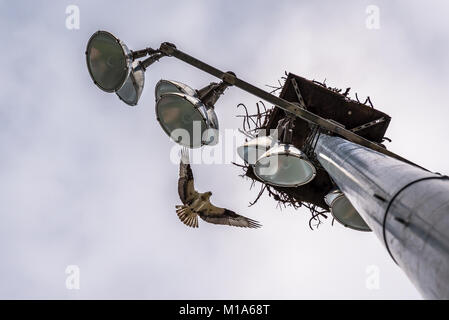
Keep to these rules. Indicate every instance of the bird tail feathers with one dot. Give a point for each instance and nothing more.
(187, 216)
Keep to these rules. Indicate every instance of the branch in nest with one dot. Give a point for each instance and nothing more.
(262, 189)
(259, 121)
(323, 84)
(345, 93)
(369, 100)
(316, 215)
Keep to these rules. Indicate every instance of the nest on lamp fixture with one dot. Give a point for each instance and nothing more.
(327, 102)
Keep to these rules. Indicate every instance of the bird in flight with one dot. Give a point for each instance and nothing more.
(197, 204)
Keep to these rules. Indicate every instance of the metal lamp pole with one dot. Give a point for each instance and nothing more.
(405, 206)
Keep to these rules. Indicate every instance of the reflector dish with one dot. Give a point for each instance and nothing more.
(344, 212)
(108, 61)
(132, 89)
(186, 120)
(284, 166)
(170, 86)
(254, 149)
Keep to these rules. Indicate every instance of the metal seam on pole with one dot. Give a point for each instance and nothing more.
(384, 222)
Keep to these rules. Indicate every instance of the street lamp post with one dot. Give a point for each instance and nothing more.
(405, 205)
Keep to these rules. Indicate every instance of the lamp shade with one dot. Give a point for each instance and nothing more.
(344, 212)
(254, 149)
(285, 166)
(170, 86)
(131, 91)
(186, 120)
(109, 61)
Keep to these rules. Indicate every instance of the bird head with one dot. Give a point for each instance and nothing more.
(208, 194)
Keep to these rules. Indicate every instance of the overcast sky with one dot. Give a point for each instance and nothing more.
(87, 181)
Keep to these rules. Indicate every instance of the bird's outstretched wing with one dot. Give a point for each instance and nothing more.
(213, 214)
(187, 216)
(186, 188)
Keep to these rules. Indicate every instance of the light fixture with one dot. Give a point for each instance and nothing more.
(109, 61)
(253, 149)
(187, 120)
(344, 212)
(132, 89)
(169, 86)
(283, 164)
(186, 115)
(114, 68)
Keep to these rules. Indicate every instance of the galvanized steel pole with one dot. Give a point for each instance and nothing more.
(405, 206)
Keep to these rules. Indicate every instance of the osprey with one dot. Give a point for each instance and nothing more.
(197, 204)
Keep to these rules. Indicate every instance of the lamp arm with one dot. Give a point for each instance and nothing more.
(210, 94)
(170, 49)
(142, 53)
(152, 59)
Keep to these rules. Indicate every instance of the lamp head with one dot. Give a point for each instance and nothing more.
(252, 150)
(169, 86)
(131, 91)
(284, 165)
(109, 61)
(186, 120)
(344, 212)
